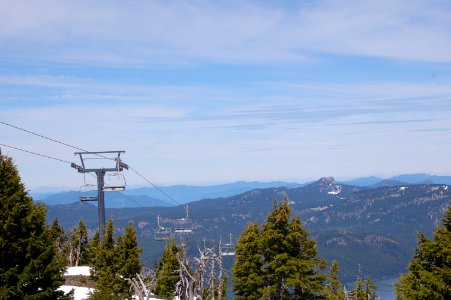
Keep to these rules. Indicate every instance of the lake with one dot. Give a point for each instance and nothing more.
(386, 288)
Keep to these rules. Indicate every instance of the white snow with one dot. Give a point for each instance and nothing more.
(336, 191)
(319, 208)
(80, 293)
(74, 271)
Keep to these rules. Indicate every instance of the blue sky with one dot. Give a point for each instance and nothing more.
(203, 92)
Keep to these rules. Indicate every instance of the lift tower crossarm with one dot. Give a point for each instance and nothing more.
(100, 172)
(120, 166)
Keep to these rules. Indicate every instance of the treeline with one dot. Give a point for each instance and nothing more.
(275, 260)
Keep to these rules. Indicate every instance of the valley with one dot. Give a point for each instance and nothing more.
(371, 229)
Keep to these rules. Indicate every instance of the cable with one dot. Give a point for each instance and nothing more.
(156, 187)
(131, 199)
(53, 140)
(38, 154)
(42, 136)
(78, 148)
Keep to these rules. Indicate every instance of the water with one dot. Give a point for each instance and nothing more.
(386, 288)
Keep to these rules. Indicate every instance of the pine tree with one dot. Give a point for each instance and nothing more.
(115, 262)
(334, 289)
(83, 243)
(429, 275)
(78, 245)
(167, 271)
(29, 262)
(358, 293)
(289, 257)
(129, 264)
(105, 267)
(370, 289)
(247, 273)
(92, 248)
(60, 237)
(283, 259)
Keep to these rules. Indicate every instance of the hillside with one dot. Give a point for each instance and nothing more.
(371, 227)
(149, 196)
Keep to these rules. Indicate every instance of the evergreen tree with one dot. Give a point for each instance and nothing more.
(359, 293)
(334, 289)
(60, 238)
(247, 273)
(83, 243)
(129, 264)
(167, 271)
(364, 289)
(370, 289)
(30, 267)
(105, 269)
(78, 246)
(429, 275)
(92, 248)
(115, 261)
(283, 258)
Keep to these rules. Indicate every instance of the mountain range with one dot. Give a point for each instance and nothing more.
(181, 194)
(372, 229)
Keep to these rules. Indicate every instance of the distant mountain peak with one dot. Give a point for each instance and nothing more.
(326, 185)
(327, 181)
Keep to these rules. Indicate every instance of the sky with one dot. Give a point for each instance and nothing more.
(207, 92)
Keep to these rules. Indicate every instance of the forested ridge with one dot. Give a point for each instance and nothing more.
(275, 259)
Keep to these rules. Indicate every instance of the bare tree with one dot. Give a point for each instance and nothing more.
(221, 273)
(185, 288)
(140, 289)
(191, 284)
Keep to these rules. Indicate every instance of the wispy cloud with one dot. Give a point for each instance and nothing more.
(249, 88)
(239, 32)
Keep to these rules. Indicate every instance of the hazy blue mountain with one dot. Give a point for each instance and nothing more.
(187, 193)
(363, 181)
(112, 199)
(422, 177)
(389, 182)
(171, 195)
(373, 229)
(180, 194)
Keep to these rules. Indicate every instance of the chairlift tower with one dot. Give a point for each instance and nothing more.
(100, 172)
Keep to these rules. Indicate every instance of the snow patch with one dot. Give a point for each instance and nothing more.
(402, 189)
(80, 293)
(336, 191)
(77, 271)
(319, 208)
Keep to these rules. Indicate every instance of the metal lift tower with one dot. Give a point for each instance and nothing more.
(100, 172)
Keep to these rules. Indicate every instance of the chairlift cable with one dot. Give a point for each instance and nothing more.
(131, 199)
(42, 136)
(81, 149)
(156, 187)
(50, 139)
(38, 154)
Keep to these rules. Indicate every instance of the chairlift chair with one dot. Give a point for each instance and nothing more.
(86, 193)
(228, 249)
(115, 182)
(161, 233)
(184, 225)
